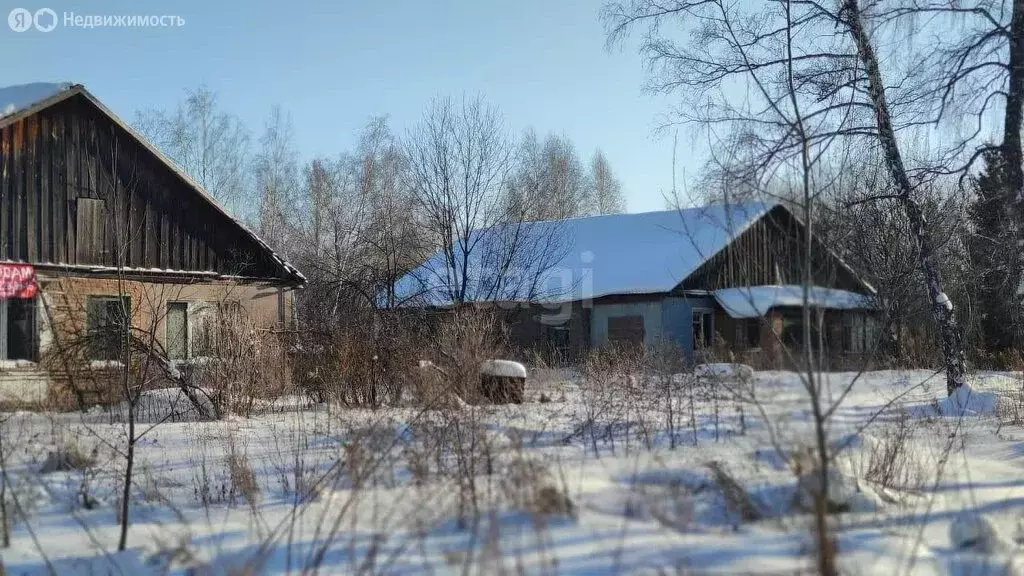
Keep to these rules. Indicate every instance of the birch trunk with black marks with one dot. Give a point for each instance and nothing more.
(1013, 157)
(942, 308)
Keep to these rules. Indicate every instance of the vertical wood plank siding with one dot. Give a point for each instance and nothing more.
(770, 252)
(153, 219)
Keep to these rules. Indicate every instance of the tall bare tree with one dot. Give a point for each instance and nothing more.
(209, 144)
(548, 181)
(851, 18)
(276, 173)
(460, 160)
(808, 56)
(606, 190)
(976, 67)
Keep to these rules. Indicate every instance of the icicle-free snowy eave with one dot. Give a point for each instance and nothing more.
(756, 301)
(16, 98)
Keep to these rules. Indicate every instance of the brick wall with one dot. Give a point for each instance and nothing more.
(64, 302)
(61, 319)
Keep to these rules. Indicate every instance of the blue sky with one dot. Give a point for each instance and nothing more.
(332, 65)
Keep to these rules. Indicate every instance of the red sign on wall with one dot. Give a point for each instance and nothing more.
(17, 281)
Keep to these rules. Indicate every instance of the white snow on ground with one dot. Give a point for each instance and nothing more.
(966, 400)
(362, 491)
(723, 370)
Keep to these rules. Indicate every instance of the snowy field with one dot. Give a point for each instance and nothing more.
(652, 478)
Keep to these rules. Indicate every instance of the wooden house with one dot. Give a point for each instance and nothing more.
(96, 223)
(721, 279)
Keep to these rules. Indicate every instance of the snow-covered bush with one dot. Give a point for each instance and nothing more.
(464, 342)
(976, 532)
(845, 492)
(892, 462)
(67, 458)
(246, 365)
(528, 484)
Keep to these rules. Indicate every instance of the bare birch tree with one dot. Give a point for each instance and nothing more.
(976, 69)
(208, 143)
(276, 172)
(851, 17)
(741, 49)
(461, 158)
(548, 181)
(606, 190)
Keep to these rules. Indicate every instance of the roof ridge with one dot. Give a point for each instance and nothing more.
(649, 212)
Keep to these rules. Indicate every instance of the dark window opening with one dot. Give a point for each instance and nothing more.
(107, 321)
(793, 330)
(18, 329)
(703, 329)
(752, 332)
(204, 320)
(558, 340)
(626, 330)
(860, 332)
(281, 316)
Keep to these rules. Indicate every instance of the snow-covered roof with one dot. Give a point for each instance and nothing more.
(586, 257)
(756, 301)
(16, 99)
(21, 96)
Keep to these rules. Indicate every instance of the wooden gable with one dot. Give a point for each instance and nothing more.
(78, 189)
(771, 252)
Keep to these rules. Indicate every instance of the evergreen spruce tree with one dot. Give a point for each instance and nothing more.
(993, 252)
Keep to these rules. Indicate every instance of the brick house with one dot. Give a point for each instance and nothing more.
(97, 226)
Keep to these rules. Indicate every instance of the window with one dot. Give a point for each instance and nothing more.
(177, 330)
(558, 340)
(702, 329)
(793, 330)
(859, 332)
(192, 328)
(107, 321)
(626, 330)
(281, 317)
(203, 340)
(18, 329)
(752, 332)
